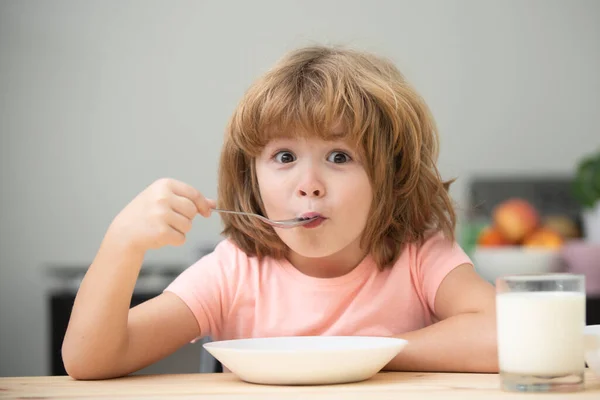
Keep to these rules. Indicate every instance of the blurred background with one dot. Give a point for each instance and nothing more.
(100, 98)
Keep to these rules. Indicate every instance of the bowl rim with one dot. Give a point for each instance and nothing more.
(384, 343)
(517, 249)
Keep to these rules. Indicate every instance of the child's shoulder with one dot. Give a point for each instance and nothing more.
(226, 251)
(433, 241)
(436, 247)
(438, 239)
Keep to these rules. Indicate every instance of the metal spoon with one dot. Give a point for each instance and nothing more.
(286, 223)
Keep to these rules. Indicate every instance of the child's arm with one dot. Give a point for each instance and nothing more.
(105, 338)
(464, 340)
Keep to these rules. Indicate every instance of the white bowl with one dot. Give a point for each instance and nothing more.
(493, 262)
(592, 348)
(306, 360)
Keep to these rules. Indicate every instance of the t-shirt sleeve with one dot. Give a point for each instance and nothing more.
(435, 259)
(206, 288)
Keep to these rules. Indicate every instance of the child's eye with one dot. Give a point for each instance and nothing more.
(285, 157)
(338, 157)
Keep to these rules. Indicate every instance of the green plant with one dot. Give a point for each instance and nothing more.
(586, 185)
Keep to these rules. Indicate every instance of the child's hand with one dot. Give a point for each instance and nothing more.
(160, 215)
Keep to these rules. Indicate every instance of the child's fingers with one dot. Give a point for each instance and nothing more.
(212, 204)
(174, 237)
(185, 190)
(183, 206)
(179, 222)
(203, 205)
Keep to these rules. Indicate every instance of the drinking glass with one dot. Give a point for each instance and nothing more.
(540, 322)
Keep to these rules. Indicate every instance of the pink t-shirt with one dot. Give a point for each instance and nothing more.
(234, 296)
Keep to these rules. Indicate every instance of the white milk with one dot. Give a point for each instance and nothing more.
(541, 333)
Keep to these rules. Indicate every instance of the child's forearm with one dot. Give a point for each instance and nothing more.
(462, 343)
(97, 331)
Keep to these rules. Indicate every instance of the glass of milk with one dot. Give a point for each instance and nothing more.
(540, 321)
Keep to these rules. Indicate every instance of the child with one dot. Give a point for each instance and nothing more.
(328, 132)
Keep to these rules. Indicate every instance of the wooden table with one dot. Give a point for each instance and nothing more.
(385, 385)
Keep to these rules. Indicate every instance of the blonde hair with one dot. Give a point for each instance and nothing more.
(307, 93)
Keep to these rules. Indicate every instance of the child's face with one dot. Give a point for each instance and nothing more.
(298, 176)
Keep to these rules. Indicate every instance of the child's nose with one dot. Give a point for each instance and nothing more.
(311, 187)
(315, 192)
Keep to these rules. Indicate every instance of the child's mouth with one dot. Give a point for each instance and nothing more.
(311, 214)
(319, 219)
(314, 224)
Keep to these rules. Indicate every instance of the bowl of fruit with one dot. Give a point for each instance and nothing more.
(519, 241)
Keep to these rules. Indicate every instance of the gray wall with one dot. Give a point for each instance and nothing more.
(100, 98)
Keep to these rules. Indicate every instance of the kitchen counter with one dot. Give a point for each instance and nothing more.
(385, 385)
